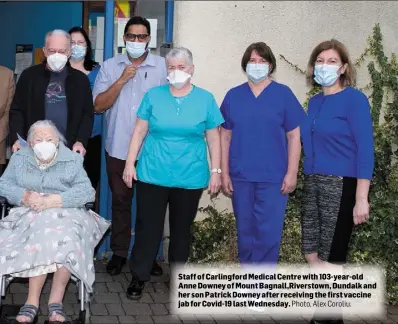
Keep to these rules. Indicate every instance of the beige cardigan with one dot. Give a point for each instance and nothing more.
(7, 88)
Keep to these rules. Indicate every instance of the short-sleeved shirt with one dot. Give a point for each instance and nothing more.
(56, 107)
(120, 118)
(97, 125)
(174, 153)
(258, 150)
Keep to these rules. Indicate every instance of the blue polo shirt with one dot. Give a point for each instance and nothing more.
(338, 135)
(174, 153)
(97, 125)
(258, 149)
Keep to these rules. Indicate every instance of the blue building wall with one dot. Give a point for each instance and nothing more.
(28, 22)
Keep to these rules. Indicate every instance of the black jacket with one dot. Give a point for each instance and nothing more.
(28, 105)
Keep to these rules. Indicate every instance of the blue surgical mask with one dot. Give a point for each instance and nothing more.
(326, 74)
(257, 72)
(78, 52)
(135, 49)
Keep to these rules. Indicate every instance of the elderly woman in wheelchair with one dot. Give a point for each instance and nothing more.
(48, 230)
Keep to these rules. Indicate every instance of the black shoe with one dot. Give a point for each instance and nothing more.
(134, 291)
(157, 270)
(115, 265)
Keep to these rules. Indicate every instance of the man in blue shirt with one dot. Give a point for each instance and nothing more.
(119, 88)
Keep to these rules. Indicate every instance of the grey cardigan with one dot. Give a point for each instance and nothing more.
(66, 176)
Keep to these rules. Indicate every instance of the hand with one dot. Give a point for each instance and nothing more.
(361, 211)
(78, 147)
(16, 146)
(129, 174)
(289, 183)
(227, 184)
(215, 183)
(29, 197)
(128, 73)
(36, 201)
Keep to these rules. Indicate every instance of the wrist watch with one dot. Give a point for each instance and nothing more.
(215, 171)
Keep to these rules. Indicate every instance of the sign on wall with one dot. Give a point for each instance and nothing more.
(23, 58)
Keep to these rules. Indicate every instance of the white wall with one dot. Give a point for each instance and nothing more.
(218, 32)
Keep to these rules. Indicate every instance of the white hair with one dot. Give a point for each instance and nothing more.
(58, 32)
(181, 53)
(45, 124)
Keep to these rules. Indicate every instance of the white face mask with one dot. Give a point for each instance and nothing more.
(135, 49)
(44, 150)
(57, 61)
(178, 78)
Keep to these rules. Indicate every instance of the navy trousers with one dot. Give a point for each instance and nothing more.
(259, 210)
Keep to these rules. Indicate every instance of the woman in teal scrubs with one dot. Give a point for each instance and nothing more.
(175, 122)
(260, 142)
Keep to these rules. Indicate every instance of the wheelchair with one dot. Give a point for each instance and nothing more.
(9, 312)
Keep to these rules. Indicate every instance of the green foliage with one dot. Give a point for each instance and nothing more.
(375, 242)
(214, 238)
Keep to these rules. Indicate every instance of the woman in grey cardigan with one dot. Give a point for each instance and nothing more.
(49, 230)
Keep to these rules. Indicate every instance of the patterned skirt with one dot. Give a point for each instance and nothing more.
(36, 243)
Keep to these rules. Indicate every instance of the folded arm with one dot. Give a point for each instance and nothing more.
(105, 92)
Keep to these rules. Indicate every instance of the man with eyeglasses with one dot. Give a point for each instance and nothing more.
(54, 91)
(119, 88)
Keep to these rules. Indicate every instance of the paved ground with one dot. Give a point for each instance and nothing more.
(110, 305)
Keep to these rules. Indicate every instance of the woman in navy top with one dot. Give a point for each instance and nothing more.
(260, 142)
(81, 59)
(339, 156)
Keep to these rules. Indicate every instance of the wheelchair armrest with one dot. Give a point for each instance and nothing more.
(3, 200)
(88, 206)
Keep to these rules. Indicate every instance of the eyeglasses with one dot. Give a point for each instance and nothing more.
(140, 37)
(51, 51)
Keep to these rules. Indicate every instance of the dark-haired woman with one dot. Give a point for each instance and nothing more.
(260, 154)
(81, 59)
(339, 156)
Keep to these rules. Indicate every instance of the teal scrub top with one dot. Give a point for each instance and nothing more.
(174, 153)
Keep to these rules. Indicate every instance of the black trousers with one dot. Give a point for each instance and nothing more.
(92, 160)
(152, 203)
